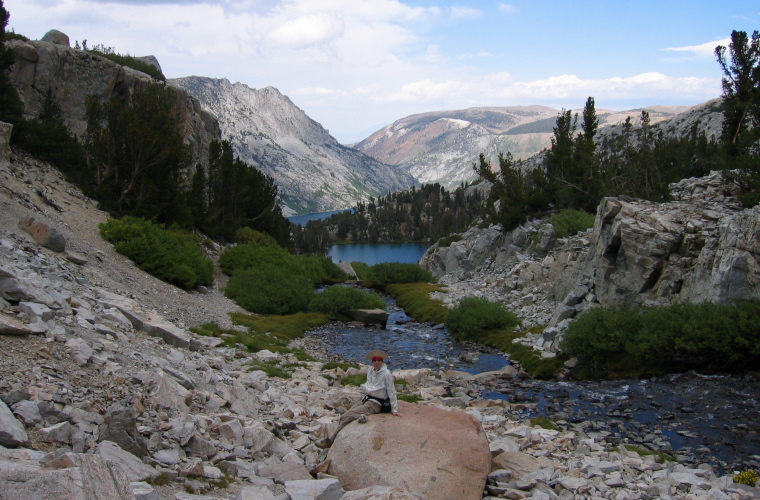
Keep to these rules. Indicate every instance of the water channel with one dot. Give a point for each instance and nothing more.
(703, 419)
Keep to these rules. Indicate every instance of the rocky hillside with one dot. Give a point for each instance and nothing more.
(441, 146)
(313, 171)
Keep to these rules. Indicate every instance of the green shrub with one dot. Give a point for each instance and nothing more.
(173, 256)
(129, 61)
(385, 273)
(247, 235)
(569, 222)
(321, 269)
(251, 256)
(474, 317)
(631, 342)
(269, 290)
(361, 269)
(338, 299)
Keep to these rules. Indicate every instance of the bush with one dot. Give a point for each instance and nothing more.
(748, 477)
(269, 290)
(631, 342)
(321, 269)
(338, 299)
(569, 222)
(129, 61)
(252, 255)
(361, 269)
(173, 256)
(385, 273)
(448, 240)
(475, 317)
(246, 235)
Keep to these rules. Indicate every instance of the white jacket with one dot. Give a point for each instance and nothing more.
(380, 385)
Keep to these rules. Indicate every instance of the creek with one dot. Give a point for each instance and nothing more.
(701, 419)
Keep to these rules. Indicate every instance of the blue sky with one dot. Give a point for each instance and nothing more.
(357, 65)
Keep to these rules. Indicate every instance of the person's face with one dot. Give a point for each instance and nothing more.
(377, 363)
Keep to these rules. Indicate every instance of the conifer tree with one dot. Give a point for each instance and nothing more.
(741, 111)
(11, 108)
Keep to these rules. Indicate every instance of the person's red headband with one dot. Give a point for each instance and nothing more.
(377, 359)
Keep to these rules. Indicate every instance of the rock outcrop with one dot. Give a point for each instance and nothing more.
(70, 76)
(700, 247)
(430, 452)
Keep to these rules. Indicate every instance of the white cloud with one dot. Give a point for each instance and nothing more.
(426, 91)
(502, 87)
(704, 50)
(307, 31)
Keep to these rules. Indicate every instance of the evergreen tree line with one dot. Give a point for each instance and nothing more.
(133, 161)
(422, 214)
(641, 161)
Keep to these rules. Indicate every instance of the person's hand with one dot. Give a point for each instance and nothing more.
(395, 413)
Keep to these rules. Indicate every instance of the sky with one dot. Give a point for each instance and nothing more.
(356, 66)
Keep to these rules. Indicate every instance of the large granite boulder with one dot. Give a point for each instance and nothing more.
(44, 234)
(370, 316)
(430, 452)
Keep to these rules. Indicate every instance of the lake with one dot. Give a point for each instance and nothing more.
(372, 254)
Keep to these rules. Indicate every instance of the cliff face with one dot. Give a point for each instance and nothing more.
(313, 172)
(701, 247)
(70, 76)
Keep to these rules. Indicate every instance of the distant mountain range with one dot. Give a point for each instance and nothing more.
(314, 173)
(441, 146)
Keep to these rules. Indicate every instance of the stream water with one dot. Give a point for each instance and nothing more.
(703, 419)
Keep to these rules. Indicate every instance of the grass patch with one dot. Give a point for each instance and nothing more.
(332, 365)
(544, 423)
(663, 457)
(355, 380)
(275, 368)
(162, 479)
(415, 299)
(274, 333)
(410, 398)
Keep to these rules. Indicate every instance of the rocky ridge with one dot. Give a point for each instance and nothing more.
(104, 391)
(441, 146)
(314, 173)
